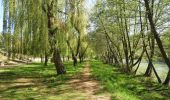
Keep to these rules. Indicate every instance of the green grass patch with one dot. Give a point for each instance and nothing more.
(37, 82)
(126, 87)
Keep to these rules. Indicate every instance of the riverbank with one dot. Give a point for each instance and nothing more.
(127, 87)
(87, 81)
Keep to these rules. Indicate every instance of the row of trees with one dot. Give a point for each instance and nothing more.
(131, 30)
(123, 32)
(45, 28)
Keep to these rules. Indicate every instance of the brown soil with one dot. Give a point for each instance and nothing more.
(88, 85)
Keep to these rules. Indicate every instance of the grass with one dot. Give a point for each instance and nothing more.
(126, 87)
(37, 82)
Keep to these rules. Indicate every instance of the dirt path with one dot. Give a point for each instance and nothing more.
(81, 86)
(88, 86)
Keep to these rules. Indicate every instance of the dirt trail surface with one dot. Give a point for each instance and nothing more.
(88, 86)
(80, 86)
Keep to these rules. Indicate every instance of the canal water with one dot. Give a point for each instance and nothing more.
(161, 68)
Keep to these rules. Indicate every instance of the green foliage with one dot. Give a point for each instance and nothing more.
(166, 39)
(27, 29)
(123, 86)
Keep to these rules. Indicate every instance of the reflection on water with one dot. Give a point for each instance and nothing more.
(161, 68)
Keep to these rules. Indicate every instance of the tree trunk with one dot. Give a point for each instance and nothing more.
(46, 60)
(58, 62)
(158, 40)
(138, 61)
(52, 38)
(166, 82)
(148, 70)
(74, 57)
(74, 60)
(41, 58)
(80, 58)
(152, 47)
(63, 58)
(152, 66)
(82, 54)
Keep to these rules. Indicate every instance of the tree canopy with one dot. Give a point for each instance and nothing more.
(118, 32)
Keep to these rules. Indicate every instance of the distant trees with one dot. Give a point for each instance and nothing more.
(158, 40)
(123, 32)
(77, 23)
(129, 33)
(23, 26)
(45, 28)
(116, 23)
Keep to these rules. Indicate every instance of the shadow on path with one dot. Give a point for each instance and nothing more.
(87, 85)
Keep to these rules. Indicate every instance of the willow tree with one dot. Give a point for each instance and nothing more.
(77, 23)
(7, 26)
(36, 24)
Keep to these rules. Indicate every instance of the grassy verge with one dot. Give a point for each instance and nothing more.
(37, 82)
(126, 87)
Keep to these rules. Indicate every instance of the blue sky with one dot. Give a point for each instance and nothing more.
(89, 5)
